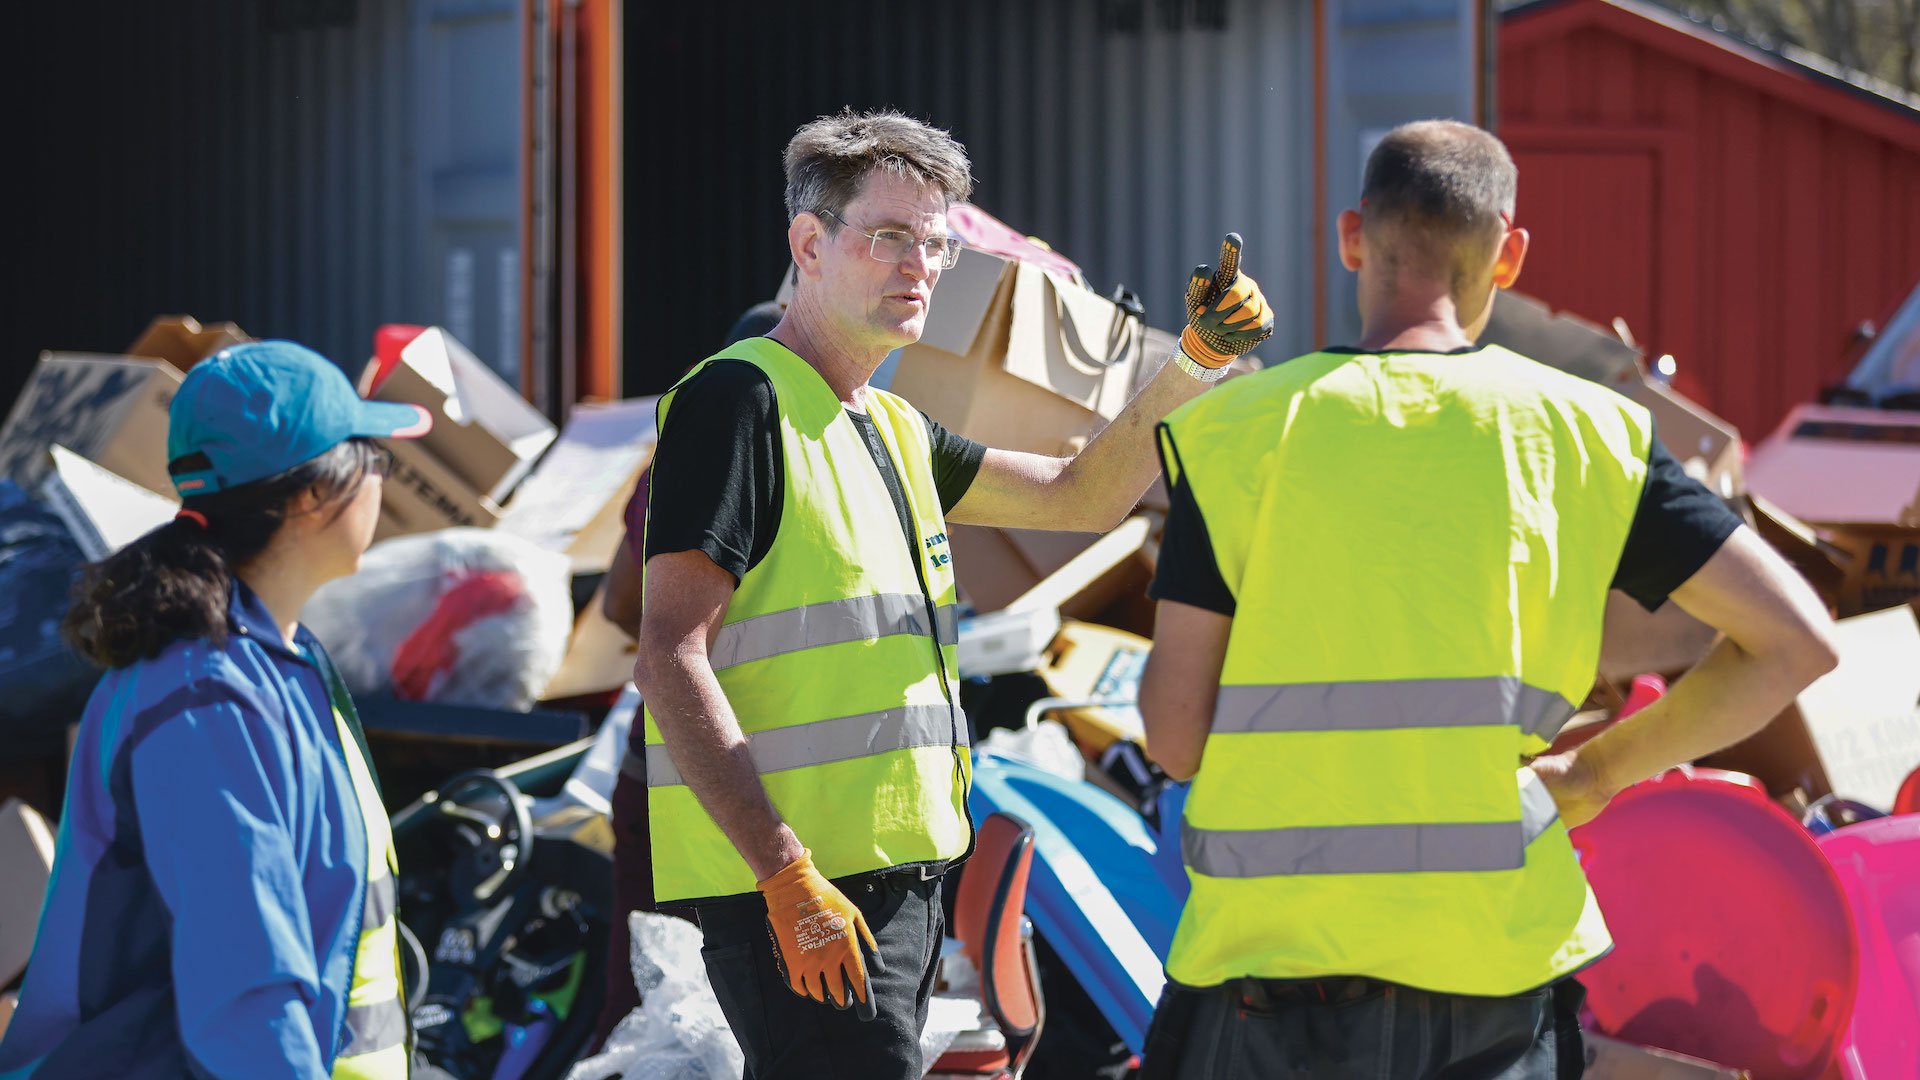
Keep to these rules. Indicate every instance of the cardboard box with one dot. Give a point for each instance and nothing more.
(1562, 340)
(1017, 358)
(103, 512)
(423, 494)
(1087, 662)
(111, 410)
(180, 340)
(575, 500)
(1820, 561)
(1090, 577)
(1855, 731)
(484, 433)
(1855, 475)
(1707, 446)
(599, 658)
(26, 854)
(1612, 1059)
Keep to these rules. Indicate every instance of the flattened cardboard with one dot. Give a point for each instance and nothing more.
(483, 432)
(182, 341)
(599, 657)
(104, 512)
(574, 500)
(111, 410)
(26, 854)
(1864, 716)
(1856, 731)
(996, 567)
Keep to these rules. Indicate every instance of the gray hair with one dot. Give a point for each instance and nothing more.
(829, 158)
(1444, 185)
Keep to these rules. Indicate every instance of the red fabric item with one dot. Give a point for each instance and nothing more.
(431, 650)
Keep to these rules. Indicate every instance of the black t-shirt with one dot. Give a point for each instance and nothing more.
(718, 480)
(1677, 527)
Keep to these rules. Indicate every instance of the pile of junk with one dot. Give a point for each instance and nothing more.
(1761, 899)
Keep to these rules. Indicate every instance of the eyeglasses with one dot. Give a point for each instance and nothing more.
(892, 245)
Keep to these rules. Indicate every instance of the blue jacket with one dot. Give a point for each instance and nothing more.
(208, 882)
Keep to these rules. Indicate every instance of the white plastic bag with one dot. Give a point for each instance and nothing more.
(459, 616)
(678, 1032)
(1045, 745)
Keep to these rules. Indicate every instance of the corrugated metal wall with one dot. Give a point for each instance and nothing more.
(1131, 134)
(1739, 213)
(259, 162)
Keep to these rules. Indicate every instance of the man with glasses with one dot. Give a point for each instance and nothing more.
(806, 757)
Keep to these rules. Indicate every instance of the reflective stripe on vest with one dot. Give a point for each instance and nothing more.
(1373, 849)
(1375, 706)
(823, 742)
(834, 622)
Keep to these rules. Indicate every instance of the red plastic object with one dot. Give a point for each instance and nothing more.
(432, 649)
(1732, 939)
(1878, 863)
(1646, 690)
(388, 341)
(1908, 801)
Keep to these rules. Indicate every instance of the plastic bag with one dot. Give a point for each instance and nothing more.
(43, 684)
(1045, 745)
(459, 616)
(678, 1032)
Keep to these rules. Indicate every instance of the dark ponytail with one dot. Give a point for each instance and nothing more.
(173, 583)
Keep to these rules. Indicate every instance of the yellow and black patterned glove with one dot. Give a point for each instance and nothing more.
(1226, 316)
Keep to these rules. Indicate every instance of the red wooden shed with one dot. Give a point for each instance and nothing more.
(1742, 210)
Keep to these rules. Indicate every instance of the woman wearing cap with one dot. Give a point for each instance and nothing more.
(222, 901)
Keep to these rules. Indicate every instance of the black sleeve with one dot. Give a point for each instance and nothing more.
(716, 477)
(956, 461)
(1187, 572)
(1677, 528)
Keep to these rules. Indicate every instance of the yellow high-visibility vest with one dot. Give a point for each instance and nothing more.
(375, 1040)
(1419, 547)
(837, 655)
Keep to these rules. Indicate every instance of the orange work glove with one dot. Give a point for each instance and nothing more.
(814, 927)
(1226, 315)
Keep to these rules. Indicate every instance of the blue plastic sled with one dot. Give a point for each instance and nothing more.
(1105, 892)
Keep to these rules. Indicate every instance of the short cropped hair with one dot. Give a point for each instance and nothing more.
(1443, 186)
(829, 158)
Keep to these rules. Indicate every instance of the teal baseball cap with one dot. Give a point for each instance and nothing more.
(256, 410)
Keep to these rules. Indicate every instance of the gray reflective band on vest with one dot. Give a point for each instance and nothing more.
(380, 901)
(1378, 706)
(1372, 849)
(375, 1027)
(842, 738)
(835, 622)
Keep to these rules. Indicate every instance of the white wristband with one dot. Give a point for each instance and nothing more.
(1200, 372)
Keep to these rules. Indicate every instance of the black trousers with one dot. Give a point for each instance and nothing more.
(1351, 1027)
(787, 1036)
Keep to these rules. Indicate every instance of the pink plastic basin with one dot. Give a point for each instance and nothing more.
(1878, 863)
(1732, 939)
